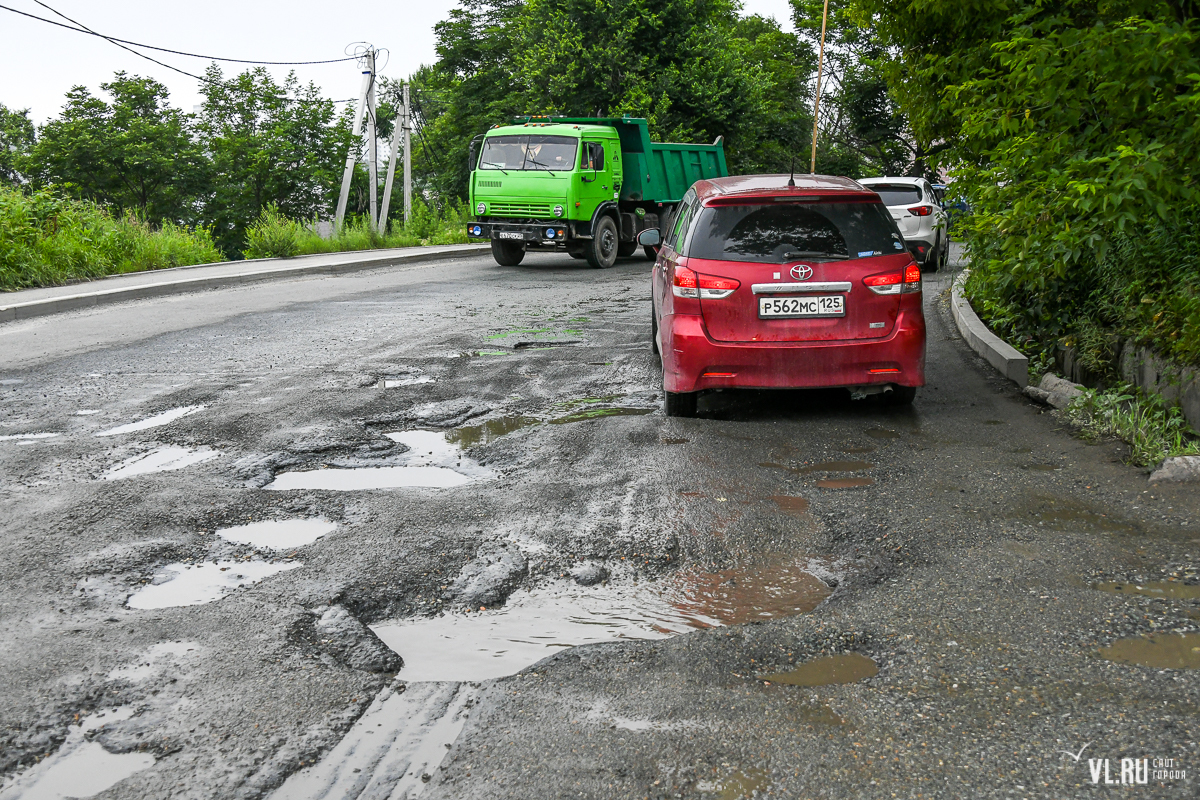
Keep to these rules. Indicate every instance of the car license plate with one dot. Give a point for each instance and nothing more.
(511, 235)
(828, 305)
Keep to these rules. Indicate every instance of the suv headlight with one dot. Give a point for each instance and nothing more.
(481, 208)
(558, 211)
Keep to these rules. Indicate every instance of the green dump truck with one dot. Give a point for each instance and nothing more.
(587, 186)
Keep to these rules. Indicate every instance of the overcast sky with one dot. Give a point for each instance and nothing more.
(39, 62)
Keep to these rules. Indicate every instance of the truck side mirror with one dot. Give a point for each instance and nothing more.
(473, 152)
(650, 238)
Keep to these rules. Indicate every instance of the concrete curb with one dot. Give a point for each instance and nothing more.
(1001, 355)
(176, 283)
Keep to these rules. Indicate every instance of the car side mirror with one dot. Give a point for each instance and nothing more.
(650, 238)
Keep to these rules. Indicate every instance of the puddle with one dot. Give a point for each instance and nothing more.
(1161, 651)
(87, 412)
(535, 624)
(197, 584)
(410, 381)
(881, 433)
(471, 435)
(392, 749)
(157, 659)
(845, 483)
(162, 459)
(78, 768)
(836, 466)
(156, 421)
(1066, 514)
(844, 668)
(596, 413)
(1166, 589)
(11, 381)
(740, 784)
(790, 504)
(283, 534)
(26, 437)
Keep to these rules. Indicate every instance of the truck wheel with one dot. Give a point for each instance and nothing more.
(601, 251)
(626, 249)
(507, 254)
(680, 404)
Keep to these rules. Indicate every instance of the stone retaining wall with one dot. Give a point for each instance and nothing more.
(1142, 367)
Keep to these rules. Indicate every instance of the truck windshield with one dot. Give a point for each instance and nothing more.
(529, 152)
(782, 232)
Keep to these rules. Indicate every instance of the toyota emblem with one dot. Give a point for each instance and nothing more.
(802, 272)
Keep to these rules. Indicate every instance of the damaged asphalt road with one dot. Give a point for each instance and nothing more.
(314, 538)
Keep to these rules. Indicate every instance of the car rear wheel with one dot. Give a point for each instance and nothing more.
(601, 251)
(651, 253)
(507, 254)
(653, 332)
(900, 396)
(626, 249)
(680, 404)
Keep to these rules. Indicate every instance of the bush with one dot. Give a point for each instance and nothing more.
(273, 235)
(48, 240)
(1153, 430)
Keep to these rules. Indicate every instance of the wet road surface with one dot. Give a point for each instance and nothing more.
(425, 531)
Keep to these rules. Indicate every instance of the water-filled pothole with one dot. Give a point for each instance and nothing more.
(843, 668)
(597, 413)
(1165, 589)
(155, 421)
(485, 432)
(792, 505)
(735, 786)
(282, 534)
(26, 437)
(845, 483)
(196, 584)
(1160, 651)
(836, 466)
(535, 623)
(161, 459)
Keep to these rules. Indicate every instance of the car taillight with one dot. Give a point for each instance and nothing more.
(921, 211)
(687, 283)
(895, 282)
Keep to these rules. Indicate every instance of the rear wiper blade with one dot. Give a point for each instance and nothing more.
(812, 254)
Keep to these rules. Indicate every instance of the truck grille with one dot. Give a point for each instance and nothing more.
(488, 184)
(519, 209)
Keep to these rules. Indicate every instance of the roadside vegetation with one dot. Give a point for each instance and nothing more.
(47, 240)
(1152, 429)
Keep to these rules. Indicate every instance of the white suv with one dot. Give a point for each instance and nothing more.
(919, 215)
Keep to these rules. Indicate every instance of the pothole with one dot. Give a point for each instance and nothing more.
(845, 483)
(284, 534)
(79, 768)
(1160, 651)
(196, 584)
(162, 459)
(792, 505)
(740, 784)
(836, 466)
(472, 435)
(158, 420)
(843, 668)
(28, 437)
(597, 413)
(535, 623)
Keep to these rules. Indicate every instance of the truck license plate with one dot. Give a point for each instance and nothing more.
(829, 305)
(511, 235)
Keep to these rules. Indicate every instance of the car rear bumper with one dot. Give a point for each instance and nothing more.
(693, 362)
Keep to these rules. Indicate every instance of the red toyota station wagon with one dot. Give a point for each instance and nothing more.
(763, 284)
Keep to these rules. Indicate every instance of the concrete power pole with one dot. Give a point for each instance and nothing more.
(373, 146)
(368, 82)
(402, 128)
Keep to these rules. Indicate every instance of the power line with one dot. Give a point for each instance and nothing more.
(84, 29)
(114, 39)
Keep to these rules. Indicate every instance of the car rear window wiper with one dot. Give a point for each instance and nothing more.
(812, 254)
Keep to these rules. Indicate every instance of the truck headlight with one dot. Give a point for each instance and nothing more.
(481, 208)
(558, 211)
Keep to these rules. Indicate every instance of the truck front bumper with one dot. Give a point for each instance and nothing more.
(548, 233)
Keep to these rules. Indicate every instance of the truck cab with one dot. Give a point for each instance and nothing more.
(581, 185)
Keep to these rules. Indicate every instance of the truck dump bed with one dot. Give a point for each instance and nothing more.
(654, 172)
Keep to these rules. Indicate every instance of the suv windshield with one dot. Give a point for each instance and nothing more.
(782, 232)
(529, 152)
(896, 194)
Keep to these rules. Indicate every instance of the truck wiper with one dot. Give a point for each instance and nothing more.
(543, 166)
(494, 164)
(812, 254)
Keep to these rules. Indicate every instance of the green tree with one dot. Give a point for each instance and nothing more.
(269, 144)
(133, 154)
(16, 142)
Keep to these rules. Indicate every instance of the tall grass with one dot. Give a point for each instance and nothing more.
(275, 236)
(48, 240)
(1152, 429)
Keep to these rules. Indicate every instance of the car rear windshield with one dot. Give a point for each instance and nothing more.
(781, 232)
(529, 152)
(896, 194)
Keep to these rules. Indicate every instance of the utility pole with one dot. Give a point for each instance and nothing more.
(407, 154)
(402, 128)
(372, 146)
(368, 84)
(817, 104)
(391, 170)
